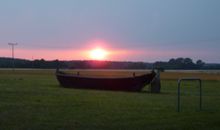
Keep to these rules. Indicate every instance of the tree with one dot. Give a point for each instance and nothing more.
(188, 63)
(200, 63)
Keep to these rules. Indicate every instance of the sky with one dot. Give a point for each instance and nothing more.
(130, 30)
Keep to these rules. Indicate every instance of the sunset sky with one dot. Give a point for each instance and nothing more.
(127, 30)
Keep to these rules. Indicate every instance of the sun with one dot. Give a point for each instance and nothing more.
(98, 54)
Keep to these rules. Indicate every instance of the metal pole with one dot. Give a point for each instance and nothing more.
(178, 98)
(200, 94)
(13, 59)
(12, 49)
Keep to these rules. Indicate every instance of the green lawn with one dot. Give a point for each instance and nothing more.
(34, 100)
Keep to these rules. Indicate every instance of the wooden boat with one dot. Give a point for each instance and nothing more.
(132, 83)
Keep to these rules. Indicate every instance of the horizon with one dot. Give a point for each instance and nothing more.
(125, 30)
(152, 62)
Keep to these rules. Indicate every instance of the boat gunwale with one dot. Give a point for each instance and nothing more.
(88, 77)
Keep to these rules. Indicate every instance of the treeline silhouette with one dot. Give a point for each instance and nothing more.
(178, 63)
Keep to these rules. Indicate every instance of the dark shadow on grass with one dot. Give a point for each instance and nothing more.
(161, 93)
(106, 90)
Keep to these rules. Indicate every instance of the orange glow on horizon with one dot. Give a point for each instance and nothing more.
(101, 53)
(70, 54)
(98, 54)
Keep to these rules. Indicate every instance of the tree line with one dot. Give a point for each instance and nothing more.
(181, 63)
(178, 63)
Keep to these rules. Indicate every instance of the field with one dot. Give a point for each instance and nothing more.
(33, 99)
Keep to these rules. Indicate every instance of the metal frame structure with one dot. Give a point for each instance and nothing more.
(12, 54)
(200, 91)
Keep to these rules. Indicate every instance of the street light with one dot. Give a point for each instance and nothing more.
(12, 51)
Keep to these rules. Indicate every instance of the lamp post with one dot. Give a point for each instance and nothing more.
(12, 51)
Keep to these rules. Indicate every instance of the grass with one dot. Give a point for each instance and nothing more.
(34, 100)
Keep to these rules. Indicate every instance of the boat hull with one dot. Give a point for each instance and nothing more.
(135, 83)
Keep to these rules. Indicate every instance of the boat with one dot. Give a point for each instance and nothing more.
(132, 83)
